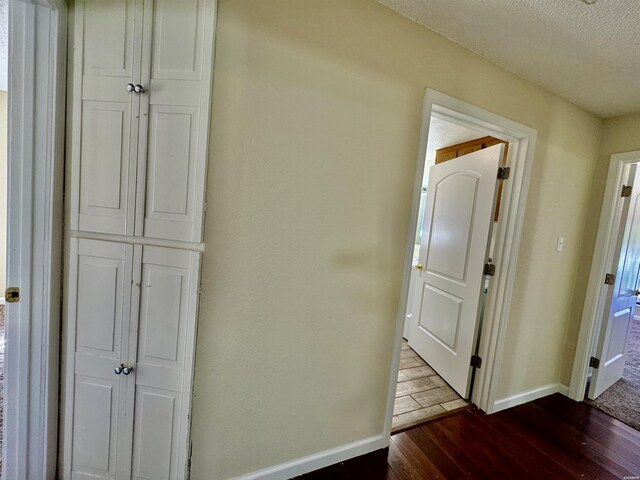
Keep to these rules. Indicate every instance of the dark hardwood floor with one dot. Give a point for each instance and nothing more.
(550, 438)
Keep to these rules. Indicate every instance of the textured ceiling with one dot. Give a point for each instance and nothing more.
(588, 54)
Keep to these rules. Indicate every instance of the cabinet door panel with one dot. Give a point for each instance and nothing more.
(175, 119)
(171, 163)
(104, 166)
(164, 362)
(108, 37)
(178, 29)
(104, 119)
(98, 323)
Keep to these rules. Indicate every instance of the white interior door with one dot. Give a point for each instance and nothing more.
(457, 229)
(616, 323)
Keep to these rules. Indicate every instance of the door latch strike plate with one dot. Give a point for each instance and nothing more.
(12, 295)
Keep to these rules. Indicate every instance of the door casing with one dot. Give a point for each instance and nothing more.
(522, 140)
(37, 68)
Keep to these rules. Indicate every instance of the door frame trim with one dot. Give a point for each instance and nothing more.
(602, 262)
(508, 231)
(36, 112)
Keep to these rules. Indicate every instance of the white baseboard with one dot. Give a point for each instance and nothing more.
(316, 461)
(529, 396)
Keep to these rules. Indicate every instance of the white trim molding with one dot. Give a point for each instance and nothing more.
(37, 60)
(317, 461)
(529, 396)
(602, 263)
(522, 140)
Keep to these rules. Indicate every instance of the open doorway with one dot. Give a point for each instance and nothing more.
(424, 392)
(481, 171)
(613, 369)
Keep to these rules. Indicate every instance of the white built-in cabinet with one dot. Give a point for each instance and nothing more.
(140, 116)
(140, 85)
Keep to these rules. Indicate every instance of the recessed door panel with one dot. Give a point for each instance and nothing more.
(157, 431)
(618, 341)
(104, 167)
(163, 312)
(452, 222)
(171, 163)
(108, 37)
(440, 316)
(178, 30)
(95, 426)
(99, 306)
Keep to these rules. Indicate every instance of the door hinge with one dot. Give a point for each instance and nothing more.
(476, 361)
(489, 269)
(626, 191)
(609, 279)
(594, 362)
(12, 295)
(503, 173)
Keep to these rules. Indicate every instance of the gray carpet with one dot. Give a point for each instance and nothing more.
(622, 400)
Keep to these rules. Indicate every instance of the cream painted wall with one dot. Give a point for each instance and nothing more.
(620, 134)
(316, 115)
(3, 189)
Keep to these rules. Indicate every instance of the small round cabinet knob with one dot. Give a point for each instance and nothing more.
(131, 87)
(419, 266)
(119, 369)
(127, 370)
(138, 89)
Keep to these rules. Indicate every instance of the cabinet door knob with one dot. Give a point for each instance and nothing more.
(131, 87)
(138, 88)
(127, 370)
(119, 369)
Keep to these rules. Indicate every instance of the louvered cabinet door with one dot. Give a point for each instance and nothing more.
(164, 366)
(177, 67)
(104, 117)
(97, 428)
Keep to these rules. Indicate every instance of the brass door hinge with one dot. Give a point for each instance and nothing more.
(626, 191)
(609, 279)
(12, 295)
(503, 173)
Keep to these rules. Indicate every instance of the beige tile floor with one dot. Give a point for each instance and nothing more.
(421, 394)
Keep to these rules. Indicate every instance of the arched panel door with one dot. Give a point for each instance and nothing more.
(457, 225)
